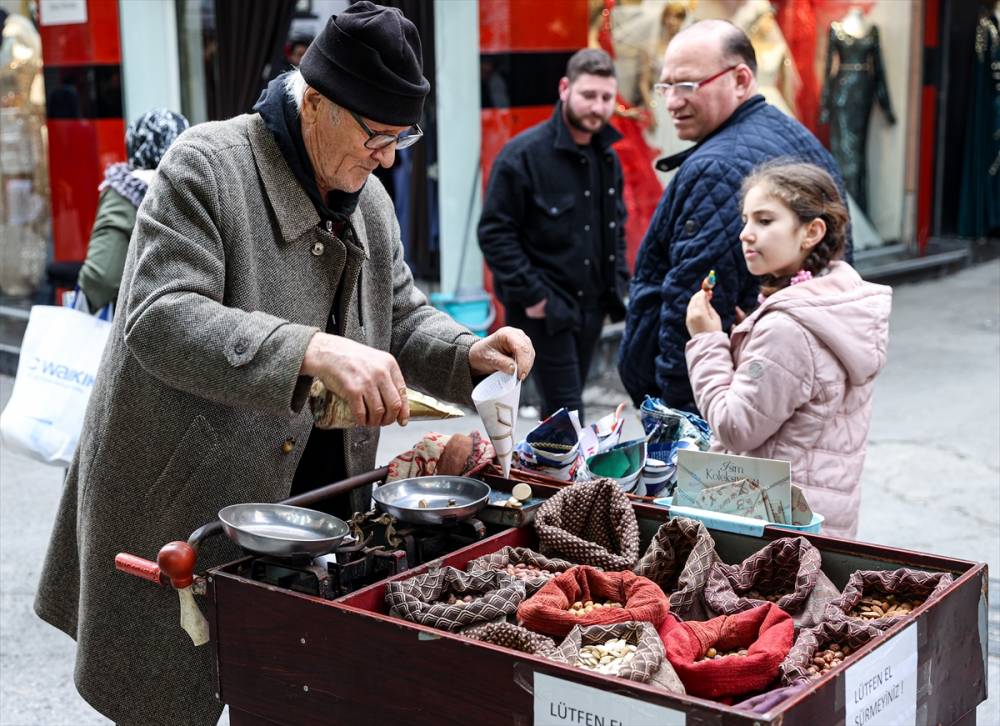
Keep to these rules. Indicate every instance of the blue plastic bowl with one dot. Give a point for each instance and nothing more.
(812, 528)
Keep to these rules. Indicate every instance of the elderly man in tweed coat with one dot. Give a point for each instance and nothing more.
(263, 256)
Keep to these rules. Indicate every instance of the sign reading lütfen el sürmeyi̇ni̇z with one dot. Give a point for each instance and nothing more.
(881, 688)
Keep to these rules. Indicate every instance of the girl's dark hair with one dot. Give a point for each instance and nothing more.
(810, 193)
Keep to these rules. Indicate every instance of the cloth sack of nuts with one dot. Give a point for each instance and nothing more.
(512, 636)
(453, 454)
(551, 610)
(731, 655)
(821, 648)
(591, 523)
(678, 559)
(425, 598)
(523, 564)
(786, 571)
(867, 594)
(629, 650)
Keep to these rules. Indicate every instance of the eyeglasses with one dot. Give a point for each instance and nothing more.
(687, 88)
(379, 141)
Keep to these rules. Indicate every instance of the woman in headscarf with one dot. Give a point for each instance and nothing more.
(146, 141)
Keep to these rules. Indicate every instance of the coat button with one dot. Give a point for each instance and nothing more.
(318, 248)
(690, 227)
(611, 258)
(612, 224)
(586, 228)
(579, 293)
(329, 226)
(241, 347)
(586, 192)
(554, 210)
(611, 191)
(288, 445)
(586, 262)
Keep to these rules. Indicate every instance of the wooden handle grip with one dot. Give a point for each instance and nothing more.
(177, 559)
(138, 567)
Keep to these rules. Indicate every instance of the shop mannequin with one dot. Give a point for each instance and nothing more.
(979, 206)
(854, 80)
(777, 78)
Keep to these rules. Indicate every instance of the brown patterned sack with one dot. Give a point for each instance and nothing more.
(678, 559)
(648, 665)
(591, 523)
(499, 560)
(418, 598)
(799, 662)
(903, 582)
(547, 611)
(790, 565)
(514, 637)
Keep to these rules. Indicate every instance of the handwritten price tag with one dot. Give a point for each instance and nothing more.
(559, 702)
(881, 689)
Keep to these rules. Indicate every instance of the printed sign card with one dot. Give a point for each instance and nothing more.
(731, 484)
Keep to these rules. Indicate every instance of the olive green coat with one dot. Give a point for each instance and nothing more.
(227, 278)
(101, 274)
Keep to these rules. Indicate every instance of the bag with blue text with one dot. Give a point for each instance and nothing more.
(59, 356)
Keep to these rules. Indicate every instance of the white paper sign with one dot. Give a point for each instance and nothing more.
(881, 688)
(62, 12)
(560, 702)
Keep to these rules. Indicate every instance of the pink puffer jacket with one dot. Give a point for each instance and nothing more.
(794, 382)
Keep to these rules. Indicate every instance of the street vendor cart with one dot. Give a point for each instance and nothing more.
(312, 642)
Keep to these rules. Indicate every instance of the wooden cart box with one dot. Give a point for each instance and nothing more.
(289, 658)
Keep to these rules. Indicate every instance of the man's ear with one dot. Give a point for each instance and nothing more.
(815, 232)
(744, 79)
(310, 104)
(563, 89)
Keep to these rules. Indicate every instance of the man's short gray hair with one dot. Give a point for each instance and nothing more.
(295, 87)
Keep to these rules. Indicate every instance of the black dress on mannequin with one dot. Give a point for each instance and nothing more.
(849, 90)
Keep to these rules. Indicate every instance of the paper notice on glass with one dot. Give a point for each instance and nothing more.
(700, 470)
(881, 688)
(496, 399)
(559, 702)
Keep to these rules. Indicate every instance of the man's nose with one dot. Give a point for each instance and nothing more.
(385, 156)
(675, 101)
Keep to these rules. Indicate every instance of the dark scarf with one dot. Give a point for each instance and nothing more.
(281, 117)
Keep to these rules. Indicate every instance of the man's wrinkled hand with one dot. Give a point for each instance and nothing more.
(701, 316)
(368, 379)
(501, 352)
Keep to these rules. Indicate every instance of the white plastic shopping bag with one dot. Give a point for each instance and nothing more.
(60, 353)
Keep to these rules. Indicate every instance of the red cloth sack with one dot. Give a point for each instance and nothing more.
(765, 632)
(902, 583)
(547, 611)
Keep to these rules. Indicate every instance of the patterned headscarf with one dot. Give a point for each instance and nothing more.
(148, 137)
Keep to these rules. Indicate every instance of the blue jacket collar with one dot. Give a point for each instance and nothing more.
(747, 108)
(603, 139)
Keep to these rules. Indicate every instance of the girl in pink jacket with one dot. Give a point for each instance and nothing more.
(794, 379)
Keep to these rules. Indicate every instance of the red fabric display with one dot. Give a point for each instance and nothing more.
(766, 632)
(547, 611)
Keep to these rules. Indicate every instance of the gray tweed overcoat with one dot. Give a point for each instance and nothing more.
(229, 274)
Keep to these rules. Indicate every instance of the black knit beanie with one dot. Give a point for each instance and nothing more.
(368, 59)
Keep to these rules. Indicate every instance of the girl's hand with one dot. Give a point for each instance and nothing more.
(701, 316)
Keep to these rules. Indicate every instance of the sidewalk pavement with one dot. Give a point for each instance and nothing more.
(931, 481)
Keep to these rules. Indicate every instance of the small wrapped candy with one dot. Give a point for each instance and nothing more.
(709, 282)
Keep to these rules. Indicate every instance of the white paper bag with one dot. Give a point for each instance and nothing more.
(60, 353)
(497, 398)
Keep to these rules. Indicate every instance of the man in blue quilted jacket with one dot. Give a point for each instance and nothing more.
(710, 91)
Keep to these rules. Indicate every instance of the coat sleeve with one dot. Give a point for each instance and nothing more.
(500, 234)
(747, 405)
(622, 273)
(704, 237)
(101, 274)
(177, 325)
(431, 348)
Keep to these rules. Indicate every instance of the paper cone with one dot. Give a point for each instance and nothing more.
(497, 399)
